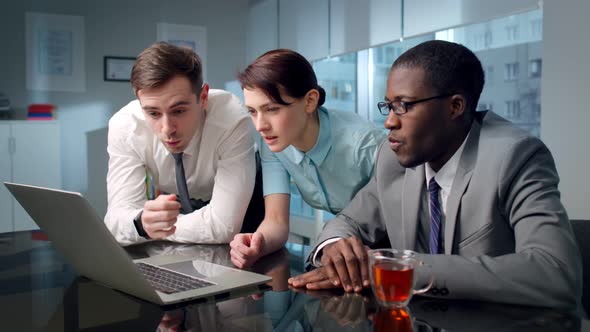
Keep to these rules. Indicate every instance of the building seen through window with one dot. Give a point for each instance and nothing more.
(510, 49)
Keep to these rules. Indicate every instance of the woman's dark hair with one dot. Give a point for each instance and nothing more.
(160, 62)
(281, 70)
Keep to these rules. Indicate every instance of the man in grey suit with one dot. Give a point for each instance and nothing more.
(476, 197)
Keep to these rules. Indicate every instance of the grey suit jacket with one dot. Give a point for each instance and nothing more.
(507, 236)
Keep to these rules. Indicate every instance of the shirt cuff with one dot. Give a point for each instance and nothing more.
(314, 260)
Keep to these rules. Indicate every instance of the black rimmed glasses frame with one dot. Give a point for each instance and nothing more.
(401, 107)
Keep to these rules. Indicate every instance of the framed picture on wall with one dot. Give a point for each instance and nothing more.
(55, 52)
(118, 68)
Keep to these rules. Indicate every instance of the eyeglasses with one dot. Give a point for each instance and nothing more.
(401, 107)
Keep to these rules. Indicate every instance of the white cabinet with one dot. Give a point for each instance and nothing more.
(31, 155)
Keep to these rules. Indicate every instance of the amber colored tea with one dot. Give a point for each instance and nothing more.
(397, 320)
(393, 281)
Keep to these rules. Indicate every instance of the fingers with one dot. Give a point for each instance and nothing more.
(302, 280)
(243, 243)
(169, 197)
(346, 263)
(324, 284)
(238, 259)
(158, 226)
(327, 262)
(361, 252)
(240, 239)
(160, 215)
(257, 241)
(162, 202)
(163, 233)
(246, 249)
(347, 267)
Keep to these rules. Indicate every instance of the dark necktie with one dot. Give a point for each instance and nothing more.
(435, 214)
(185, 201)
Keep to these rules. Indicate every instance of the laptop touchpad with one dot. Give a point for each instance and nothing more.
(199, 269)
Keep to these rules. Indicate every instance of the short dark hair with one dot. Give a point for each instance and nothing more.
(449, 68)
(160, 62)
(281, 69)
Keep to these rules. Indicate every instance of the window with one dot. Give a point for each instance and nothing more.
(355, 82)
(489, 74)
(536, 28)
(536, 112)
(379, 55)
(512, 32)
(485, 106)
(390, 55)
(511, 71)
(337, 75)
(488, 40)
(513, 110)
(535, 67)
(506, 46)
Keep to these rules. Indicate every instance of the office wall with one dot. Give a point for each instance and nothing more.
(116, 28)
(565, 116)
(263, 28)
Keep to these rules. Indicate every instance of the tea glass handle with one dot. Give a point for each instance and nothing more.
(427, 288)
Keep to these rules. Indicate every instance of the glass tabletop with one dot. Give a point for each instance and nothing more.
(40, 292)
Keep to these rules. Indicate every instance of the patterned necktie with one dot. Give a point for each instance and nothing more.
(435, 214)
(183, 195)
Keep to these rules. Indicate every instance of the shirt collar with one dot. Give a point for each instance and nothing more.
(446, 175)
(323, 144)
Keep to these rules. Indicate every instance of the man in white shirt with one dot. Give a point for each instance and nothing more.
(191, 145)
(474, 196)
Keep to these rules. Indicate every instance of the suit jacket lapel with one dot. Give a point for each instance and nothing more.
(461, 181)
(411, 198)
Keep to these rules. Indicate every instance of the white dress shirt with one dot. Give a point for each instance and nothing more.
(445, 178)
(219, 166)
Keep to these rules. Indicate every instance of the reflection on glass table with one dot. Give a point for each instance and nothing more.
(39, 292)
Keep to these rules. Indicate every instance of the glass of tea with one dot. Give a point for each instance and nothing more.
(393, 276)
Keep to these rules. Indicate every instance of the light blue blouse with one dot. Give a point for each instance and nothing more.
(329, 175)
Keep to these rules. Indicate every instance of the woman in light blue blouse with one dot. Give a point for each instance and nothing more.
(329, 155)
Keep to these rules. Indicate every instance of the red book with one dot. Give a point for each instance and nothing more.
(38, 235)
(40, 108)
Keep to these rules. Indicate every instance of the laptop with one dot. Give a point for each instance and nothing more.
(81, 236)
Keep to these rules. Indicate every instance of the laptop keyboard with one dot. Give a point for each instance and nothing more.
(170, 282)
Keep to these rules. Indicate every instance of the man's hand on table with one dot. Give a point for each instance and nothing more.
(344, 264)
(160, 215)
